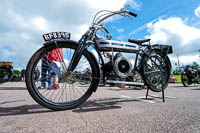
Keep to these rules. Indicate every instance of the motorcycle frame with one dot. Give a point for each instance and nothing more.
(90, 36)
(85, 42)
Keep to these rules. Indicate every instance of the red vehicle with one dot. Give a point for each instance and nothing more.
(172, 79)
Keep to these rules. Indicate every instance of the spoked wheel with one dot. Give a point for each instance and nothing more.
(68, 92)
(84, 79)
(156, 71)
(185, 81)
(5, 75)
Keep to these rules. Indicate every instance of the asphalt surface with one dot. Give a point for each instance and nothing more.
(109, 110)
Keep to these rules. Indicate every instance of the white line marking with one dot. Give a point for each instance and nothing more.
(169, 97)
(138, 98)
(125, 96)
(143, 99)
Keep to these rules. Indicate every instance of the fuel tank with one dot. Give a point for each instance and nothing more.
(117, 46)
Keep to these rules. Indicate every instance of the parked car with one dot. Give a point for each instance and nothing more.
(172, 79)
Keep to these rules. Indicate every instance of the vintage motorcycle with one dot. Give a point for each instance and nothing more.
(190, 76)
(6, 72)
(151, 61)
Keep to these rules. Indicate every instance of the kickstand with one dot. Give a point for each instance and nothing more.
(163, 94)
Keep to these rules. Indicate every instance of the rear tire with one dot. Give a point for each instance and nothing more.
(5, 75)
(154, 77)
(61, 98)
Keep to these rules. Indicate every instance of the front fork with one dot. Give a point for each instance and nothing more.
(76, 57)
(83, 43)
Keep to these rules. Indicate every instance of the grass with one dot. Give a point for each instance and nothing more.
(178, 78)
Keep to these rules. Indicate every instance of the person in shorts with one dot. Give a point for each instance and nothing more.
(51, 68)
(55, 57)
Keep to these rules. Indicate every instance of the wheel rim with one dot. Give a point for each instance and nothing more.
(155, 75)
(70, 90)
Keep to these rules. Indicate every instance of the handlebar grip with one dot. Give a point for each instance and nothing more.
(132, 14)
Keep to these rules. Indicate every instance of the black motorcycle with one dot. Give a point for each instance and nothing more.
(151, 62)
(6, 73)
(190, 76)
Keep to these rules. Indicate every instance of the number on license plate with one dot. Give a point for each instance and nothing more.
(56, 35)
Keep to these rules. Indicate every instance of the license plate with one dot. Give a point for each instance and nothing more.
(56, 35)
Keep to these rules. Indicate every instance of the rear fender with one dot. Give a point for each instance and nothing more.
(149, 51)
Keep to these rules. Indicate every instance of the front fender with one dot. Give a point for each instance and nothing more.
(57, 41)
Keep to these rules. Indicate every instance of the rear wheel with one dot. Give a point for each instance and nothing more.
(70, 94)
(185, 81)
(156, 71)
(5, 75)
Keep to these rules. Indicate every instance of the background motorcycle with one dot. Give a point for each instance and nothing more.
(190, 76)
(6, 73)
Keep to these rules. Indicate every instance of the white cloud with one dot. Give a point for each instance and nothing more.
(106, 4)
(40, 23)
(24, 22)
(197, 12)
(184, 39)
(82, 30)
(137, 5)
(185, 59)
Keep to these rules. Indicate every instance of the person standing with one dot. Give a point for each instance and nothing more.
(45, 72)
(23, 74)
(51, 68)
(37, 74)
(55, 57)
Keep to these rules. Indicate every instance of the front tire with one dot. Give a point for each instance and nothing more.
(185, 80)
(70, 94)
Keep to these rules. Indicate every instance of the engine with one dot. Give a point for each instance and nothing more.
(120, 66)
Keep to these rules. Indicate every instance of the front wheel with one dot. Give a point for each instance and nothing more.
(66, 94)
(155, 71)
(185, 81)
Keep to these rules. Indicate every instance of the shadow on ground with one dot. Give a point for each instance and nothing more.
(196, 89)
(13, 88)
(105, 104)
(21, 110)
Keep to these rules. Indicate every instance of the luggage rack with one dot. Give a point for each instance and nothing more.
(166, 49)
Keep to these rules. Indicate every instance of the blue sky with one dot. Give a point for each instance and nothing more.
(174, 22)
(152, 12)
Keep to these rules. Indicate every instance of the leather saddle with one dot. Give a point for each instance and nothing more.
(139, 42)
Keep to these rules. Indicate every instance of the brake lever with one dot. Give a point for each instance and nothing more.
(130, 17)
(105, 29)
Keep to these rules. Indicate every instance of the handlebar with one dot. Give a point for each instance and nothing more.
(105, 14)
(132, 14)
(108, 14)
